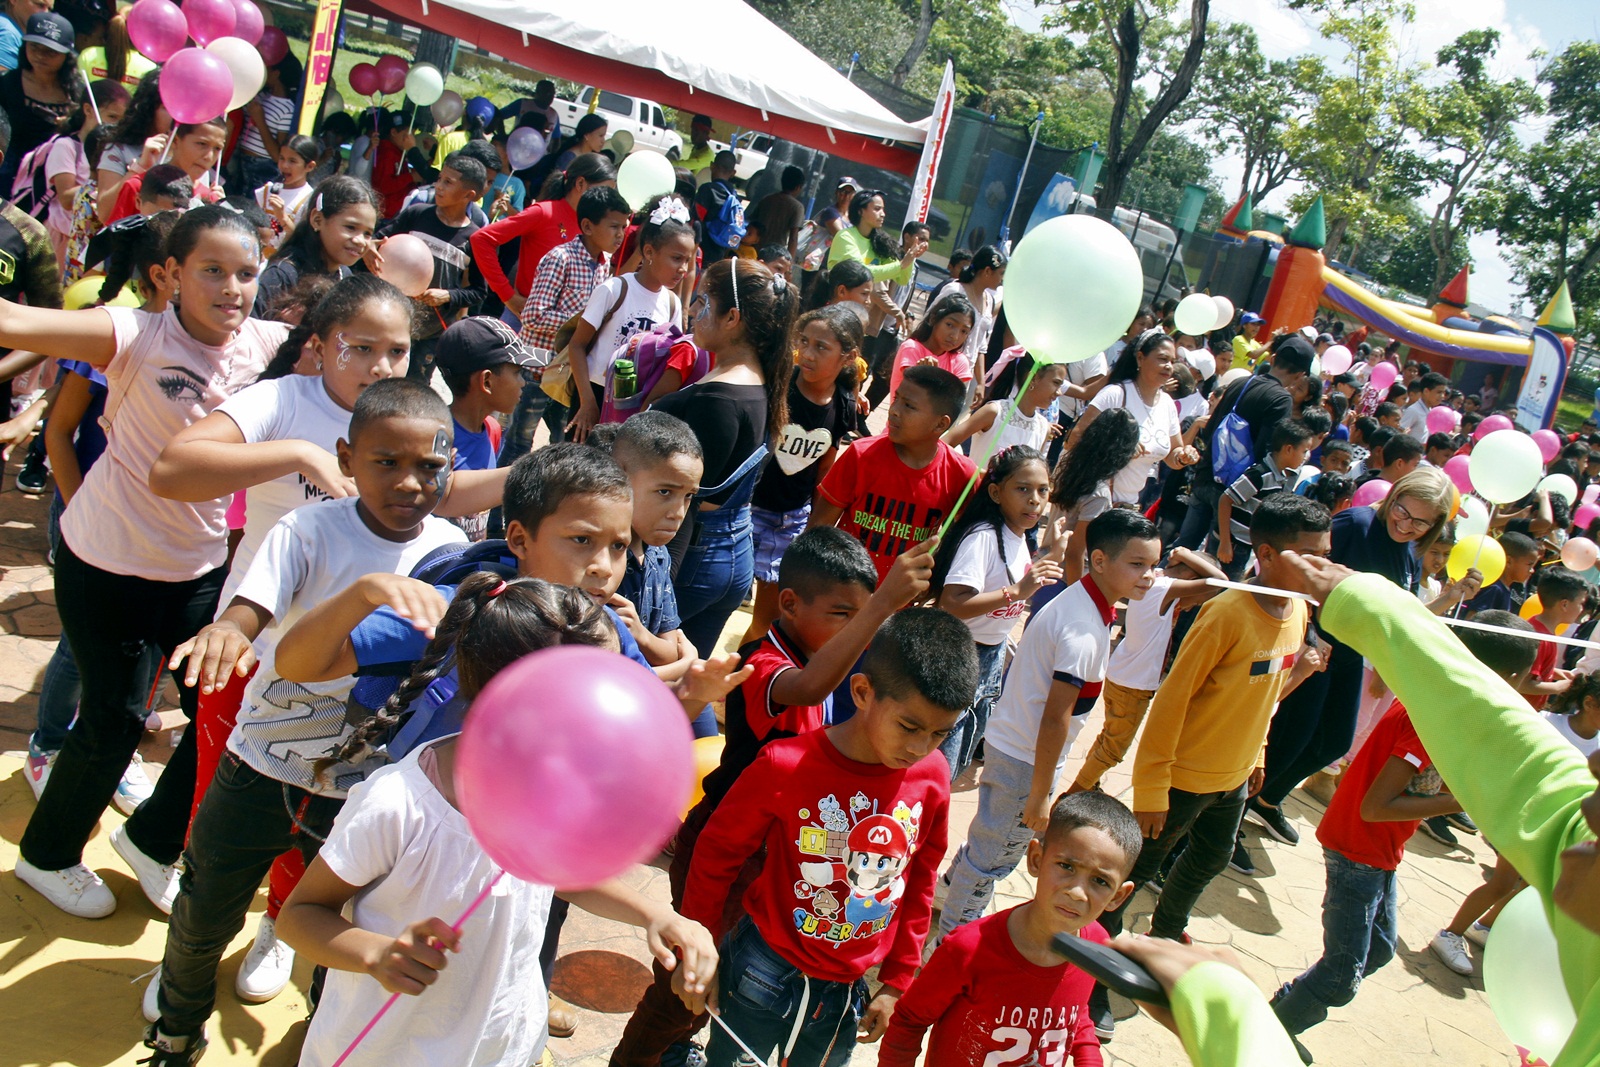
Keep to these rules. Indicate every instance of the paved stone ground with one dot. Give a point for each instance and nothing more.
(69, 989)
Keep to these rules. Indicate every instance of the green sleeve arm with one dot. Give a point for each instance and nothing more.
(1224, 1021)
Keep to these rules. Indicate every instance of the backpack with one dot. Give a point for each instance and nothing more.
(32, 190)
(649, 352)
(1232, 443)
(727, 227)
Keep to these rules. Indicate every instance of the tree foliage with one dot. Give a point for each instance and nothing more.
(1243, 102)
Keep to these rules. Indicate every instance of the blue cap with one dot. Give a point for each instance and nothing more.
(1250, 317)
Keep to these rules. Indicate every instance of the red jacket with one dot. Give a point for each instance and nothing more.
(540, 227)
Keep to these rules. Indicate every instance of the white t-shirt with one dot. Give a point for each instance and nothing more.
(1070, 640)
(294, 201)
(312, 554)
(976, 565)
(65, 157)
(1136, 663)
(1082, 371)
(640, 311)
(359, 166)
(1414, 421)
(1158, 425)
(1563, 725)
(1031, 430)
(414, 856)
(161, 380)
(294, 407)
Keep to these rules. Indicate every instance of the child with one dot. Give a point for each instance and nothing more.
(891, 492)
(163, 187)
(483, 364)
(135, 570)
(634, 303)
(1562, 595)
(828, 612)
(456, 286)
(569, 273)
(1522, 555)
(664, 464)
(1081, 487)
(1287, 449)
(1029, 421)
(285, 201)
(1439, 448)
(331, 237)
(271, 790)
(853, 818)
(1387, 792)
(1335, 492)
(1139, 660)
(822, 410)
(1393, 457)
(1053, 682)
(938, 341)
(996, 987)
(196, 147)
(986, 572)
(401, 851)
(1575, 712)
(1204, 752)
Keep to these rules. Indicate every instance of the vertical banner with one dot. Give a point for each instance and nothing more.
(944, 106)
(319, 63)
(1542, 382)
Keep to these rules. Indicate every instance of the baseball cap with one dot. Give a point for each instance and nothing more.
(51, 30)
(478, 343)
(1250, 317)
(701, 120)
(1309, 333)
(851, 182)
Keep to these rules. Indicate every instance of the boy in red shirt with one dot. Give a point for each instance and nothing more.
(827, 613)
(853, 819)
(1562, 594)
(891, 492)
(995, 992)
(1387, 792)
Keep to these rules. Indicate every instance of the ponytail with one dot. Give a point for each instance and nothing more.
(766, 303)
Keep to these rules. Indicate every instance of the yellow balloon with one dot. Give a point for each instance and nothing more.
(707, 757)
(1478, 551)
(86, 291)
(1531, 607)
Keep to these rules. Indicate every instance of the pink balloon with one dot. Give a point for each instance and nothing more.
(573, 765)
(1336, 360)
(1383, 376)
(1580, 553)
(407, 264)
(273, 46)
(208, 20)
(1369, 493)
(247, 21)
(1443, 420)
(196, 86)
(364, 80)
(1549, 443)
(157, 28)
(391, 73)
(1490, 425)
(1585, 515)
(1456, 468)
(1590, 492)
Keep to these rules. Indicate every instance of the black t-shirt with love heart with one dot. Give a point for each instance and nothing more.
(790, 477)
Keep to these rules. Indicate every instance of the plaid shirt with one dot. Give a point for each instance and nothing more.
(567, 276)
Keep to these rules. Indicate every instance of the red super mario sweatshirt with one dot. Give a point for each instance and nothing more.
(852, 852)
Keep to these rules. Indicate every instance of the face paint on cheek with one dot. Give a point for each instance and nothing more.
(441, 480)
(343, 359)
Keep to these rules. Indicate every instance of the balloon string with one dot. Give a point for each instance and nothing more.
(1478, 554)
(455, 928)
(988, 454)
(716, 1017)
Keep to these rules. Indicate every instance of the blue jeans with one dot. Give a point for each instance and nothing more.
(1201, 518)
(715, 575)
(963, 740)
(772, 1006)
(1358, 936)
(534, 404)
(997, 840)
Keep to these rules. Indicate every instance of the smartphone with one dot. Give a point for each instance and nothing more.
(1111, 969)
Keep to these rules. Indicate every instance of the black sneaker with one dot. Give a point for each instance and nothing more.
(1272, 820)
(1305, 1053)
(1438, 828)
(1241, 860)
(1105, 1024)
(34, 476)
(172, 1051)
(1462, 821)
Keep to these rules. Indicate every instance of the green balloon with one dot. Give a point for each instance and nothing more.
(1522, 977)
(1072, 287)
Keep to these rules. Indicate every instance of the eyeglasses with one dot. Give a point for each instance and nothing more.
(1403, 519)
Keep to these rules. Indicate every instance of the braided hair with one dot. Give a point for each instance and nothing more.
(984, 510)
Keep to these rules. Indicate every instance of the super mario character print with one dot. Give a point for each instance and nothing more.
(851, 887)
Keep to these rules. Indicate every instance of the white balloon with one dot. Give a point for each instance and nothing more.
(245, 64)
(1560, 485)
(1196, 314)
(1234, 375)
(1473, 519)
(1224, 311)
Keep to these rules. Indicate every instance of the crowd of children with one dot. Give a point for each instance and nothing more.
(333, 561)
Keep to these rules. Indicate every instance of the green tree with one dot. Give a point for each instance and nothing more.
(836, 29)
(1244, 101)
(1171, 162)
(1405, 258)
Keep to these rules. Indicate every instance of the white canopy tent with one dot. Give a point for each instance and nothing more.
(720, 57)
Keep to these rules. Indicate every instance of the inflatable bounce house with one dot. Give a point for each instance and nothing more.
(1288, 279)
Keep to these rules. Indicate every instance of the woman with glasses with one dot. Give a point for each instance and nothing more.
(1315, 724)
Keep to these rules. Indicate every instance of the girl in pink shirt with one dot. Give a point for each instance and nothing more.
(134, 569)
(938, 340)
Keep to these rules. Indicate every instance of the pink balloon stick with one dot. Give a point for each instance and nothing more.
(455, 927)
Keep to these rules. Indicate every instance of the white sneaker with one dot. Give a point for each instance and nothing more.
(266, 967)
(76, 890)
(36, 769)
(1452, 951)
(158, 880)
(149, 1005)
(135, 787)
(1478, 934)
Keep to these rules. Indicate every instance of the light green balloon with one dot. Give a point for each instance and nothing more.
(1522, 977)
(1072, 287)
(1505, 466)
(424, 84)
(643, 175)
(1195, 314)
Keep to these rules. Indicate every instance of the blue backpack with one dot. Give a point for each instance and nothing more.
(727, 227)
(1232, 444)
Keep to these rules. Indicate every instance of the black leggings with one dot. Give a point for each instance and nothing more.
(110, 619)
(1314, 725)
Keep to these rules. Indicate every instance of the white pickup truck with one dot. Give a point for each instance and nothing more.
(644, 119)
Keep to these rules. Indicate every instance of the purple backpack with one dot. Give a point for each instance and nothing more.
(649, 352)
